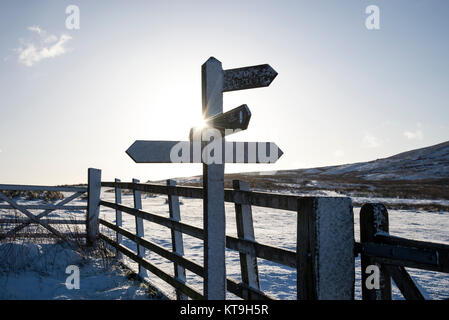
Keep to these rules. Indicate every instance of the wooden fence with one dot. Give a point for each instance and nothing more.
(392, 254)
(324, 258)
(40, 218)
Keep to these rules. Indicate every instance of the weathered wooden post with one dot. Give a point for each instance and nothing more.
(325, 249)
(213, 184)
(373, 220)
(245, 230)
(176, 238)
(93, 205)
(118, 218)
(139, 229)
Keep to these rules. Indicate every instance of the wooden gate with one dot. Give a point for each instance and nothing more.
(38, 214)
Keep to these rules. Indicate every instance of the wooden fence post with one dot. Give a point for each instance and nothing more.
(118, 218)
(325, 249)
(213, 185)
(93, 205)
(373, 220)
(176, 238)
(245, 230)
(139, 229)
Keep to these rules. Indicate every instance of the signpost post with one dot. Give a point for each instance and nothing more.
(213, 186)
(208, 146)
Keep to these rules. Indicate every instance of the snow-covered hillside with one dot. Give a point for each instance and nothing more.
(416, 174)
(420, 164)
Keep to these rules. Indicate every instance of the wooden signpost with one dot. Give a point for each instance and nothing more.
(208, 146)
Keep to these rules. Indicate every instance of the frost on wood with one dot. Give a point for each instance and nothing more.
(335, 248)
(248, 77)
(380, 217)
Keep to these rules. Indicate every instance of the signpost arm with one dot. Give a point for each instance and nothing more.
(213, 184)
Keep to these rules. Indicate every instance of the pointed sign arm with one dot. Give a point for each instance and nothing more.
(248, 77)
(236, 119)
(193, 152)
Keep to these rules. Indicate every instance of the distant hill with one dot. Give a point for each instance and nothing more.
(420, 164)
(418, 174)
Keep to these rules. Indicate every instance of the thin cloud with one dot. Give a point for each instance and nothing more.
(339, 153)
(36, 29)
(370, 141)
(47, 46)
(45, 37)
(415, 135)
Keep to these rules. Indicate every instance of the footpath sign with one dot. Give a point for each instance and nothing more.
(208, 146)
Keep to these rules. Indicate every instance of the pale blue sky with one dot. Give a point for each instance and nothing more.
(132, 71)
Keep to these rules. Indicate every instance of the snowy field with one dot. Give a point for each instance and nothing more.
(273, 227)
(38, 271)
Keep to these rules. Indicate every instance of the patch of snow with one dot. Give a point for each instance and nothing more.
(38, 271)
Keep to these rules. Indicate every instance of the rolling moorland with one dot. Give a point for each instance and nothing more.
(421, 174)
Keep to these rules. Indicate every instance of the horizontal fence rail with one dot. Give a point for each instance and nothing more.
(408, 253)
(46, 207)
(46, 221)
(40, 235)
(11, 187)
(259, 199)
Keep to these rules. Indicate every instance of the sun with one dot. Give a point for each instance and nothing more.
(198, 128)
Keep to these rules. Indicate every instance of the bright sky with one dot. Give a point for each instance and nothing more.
(73, 99)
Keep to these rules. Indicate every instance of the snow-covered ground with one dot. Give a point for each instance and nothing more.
(278, 228)
(273, 227)
(38, 271)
